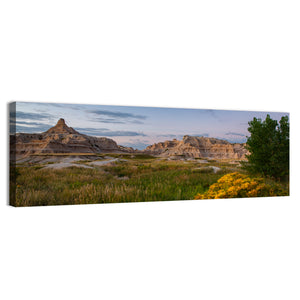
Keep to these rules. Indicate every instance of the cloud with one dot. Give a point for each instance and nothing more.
(213, 113)
(26, 126)
(136, 122)
(60, 105)
(117, 114)
(109, 121)
(180, 136)
(124, 133)
(29, 116)
(235, 137)
(51, 104)
(167, 135)
(116, 121)
(235, 133)
(91, 130)
(106, 132)
(136, 145)
(115, 117)
(29, 129)
(29, 124)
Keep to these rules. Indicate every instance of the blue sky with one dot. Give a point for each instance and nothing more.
(137, 127)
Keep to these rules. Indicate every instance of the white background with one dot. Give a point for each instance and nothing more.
(197, 54)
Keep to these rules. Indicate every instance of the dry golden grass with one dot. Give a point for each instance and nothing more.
(133, 180)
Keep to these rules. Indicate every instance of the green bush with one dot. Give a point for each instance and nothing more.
(237, 185)
(268, 148)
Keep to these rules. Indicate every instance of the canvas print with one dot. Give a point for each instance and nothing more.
(64, 154)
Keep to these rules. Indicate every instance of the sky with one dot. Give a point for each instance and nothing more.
(137, 127)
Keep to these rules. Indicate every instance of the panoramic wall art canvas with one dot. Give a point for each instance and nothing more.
(86, 154)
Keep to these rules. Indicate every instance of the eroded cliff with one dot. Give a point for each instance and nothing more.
(198, 147)
(61, 139)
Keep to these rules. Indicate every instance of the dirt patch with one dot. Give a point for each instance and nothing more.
(100, 163)
(213, 168)
(62, 165)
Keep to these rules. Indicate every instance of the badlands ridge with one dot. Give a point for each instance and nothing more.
(66, 140)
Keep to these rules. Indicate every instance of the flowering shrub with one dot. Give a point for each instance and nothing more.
(237, 185)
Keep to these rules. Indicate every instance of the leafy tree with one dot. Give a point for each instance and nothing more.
(268, 147)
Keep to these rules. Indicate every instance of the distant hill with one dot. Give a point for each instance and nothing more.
(198, 147)
(61, 139)
(64, 139)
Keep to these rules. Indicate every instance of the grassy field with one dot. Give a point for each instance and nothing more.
(130, 179)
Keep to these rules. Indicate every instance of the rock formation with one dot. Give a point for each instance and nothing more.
(61, 139)
(61, 128)
(64, 139)
(198, 147)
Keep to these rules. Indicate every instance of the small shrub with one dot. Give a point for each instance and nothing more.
(237, 185)
(76, 184)
(205, 170)
(14, 172)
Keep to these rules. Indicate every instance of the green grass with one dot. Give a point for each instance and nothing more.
(133, 156)
(140, 178)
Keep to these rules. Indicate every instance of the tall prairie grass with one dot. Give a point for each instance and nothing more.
(135, 180)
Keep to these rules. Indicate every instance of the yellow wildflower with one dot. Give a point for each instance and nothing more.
(237, 185)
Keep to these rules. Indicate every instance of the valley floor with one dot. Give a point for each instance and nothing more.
(111, 178)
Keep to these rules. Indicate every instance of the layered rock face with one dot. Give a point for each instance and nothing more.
(64, 139)
(61, 139)
(198, 147)
(61, 128)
